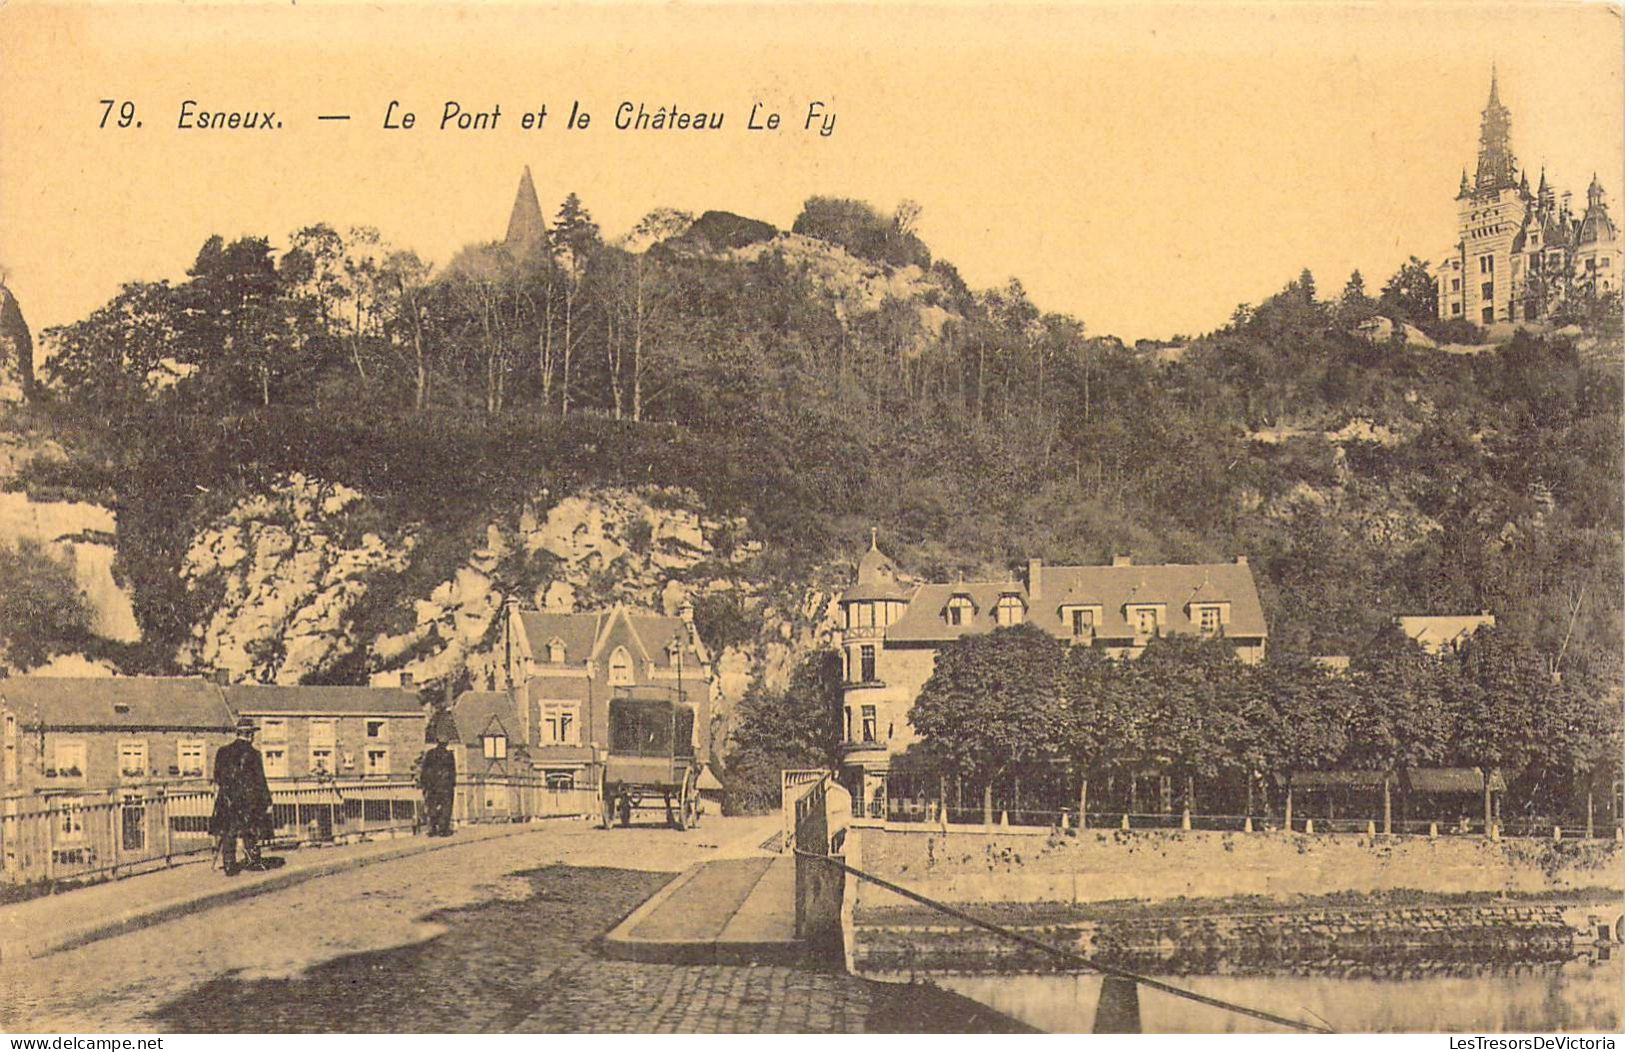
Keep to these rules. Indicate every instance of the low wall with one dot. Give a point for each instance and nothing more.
(1099, 866)
(1315, 939)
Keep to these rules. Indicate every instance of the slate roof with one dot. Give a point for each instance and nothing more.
(1452, 780)
(580, 634)
(1173, 585)
(116, 702)
(475, 710)
(337, 701)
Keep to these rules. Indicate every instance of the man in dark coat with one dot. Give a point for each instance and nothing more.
(242, 799)
(437, 777)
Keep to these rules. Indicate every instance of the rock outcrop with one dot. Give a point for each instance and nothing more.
(16, 351)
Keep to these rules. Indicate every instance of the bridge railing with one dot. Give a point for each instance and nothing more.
(111, 834)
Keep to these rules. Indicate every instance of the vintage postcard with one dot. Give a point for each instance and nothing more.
(822, 518)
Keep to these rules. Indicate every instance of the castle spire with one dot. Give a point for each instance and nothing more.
(1496, 164)
(526, 227)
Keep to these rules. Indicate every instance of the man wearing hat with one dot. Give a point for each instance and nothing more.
(242, 799)
(437, 775)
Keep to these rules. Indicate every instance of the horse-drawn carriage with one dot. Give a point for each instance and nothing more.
(651, 759)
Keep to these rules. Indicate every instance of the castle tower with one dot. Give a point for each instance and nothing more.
(1496, 165)
(526, 227)
(1481, 282)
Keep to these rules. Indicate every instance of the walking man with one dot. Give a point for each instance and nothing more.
(437, 777)
(242, 799)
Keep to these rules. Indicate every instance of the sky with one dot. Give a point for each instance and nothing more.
(1144, 167)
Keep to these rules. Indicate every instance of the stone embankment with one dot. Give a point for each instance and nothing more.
(1320, 939)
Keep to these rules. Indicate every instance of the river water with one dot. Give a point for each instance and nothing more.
(1583, 995)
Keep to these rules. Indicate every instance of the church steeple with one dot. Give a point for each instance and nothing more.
(526, 227)
(1496, 165)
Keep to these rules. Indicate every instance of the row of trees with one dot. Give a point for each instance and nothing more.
(1019, 700)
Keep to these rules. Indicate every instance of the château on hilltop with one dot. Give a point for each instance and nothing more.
(1521, 253)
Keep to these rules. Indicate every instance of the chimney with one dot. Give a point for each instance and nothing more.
(1241, 560)
(406, 681)
(1035, 579)
(222, 677)
(1123, 560)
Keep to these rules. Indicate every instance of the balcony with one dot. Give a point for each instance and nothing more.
(878, 745)
(855, 633)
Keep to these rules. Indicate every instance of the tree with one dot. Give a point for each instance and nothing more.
(122, 352)
(234, 322)
(1354, 306)
(1410, 294)
(43, 611)
(995, 703)
(574, 239)
(798, 727)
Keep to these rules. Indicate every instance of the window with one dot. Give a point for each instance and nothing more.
(869, 722)
(1145, 621)
(867, 657)
(70, 759)
(559, 723)
(323, 738)
(495, 746)
(377, 760)
(620, 668)
(960, 610)
(70, 822)
(273, 731)
(1207, 620)
(1455, 308)
(848, 727)
(1455, 284)
(561, 779)
(1009, 610)
(378, 730)
(132, 758)
(555, 651)
(865, 613)
(189, 758)
(10, 749)
(1489, 315)
(1486, 264)
(1487, 290)
(276, 761)
(1083, 623)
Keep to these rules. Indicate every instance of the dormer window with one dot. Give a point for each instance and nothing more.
(1207, 619)
(555, 651)
(960, 610)
(1146, 618)
(1009, 610)
(620, 668)
(1082, 621)
(495, 746)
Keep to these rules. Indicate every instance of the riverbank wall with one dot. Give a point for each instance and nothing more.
(1157, 865)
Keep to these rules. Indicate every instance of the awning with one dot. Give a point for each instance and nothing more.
(1452, 780)
(1336, 779)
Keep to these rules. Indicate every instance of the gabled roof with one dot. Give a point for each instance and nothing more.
(478, 712)
(1109, 587)
(1435, 632)
(584, 635)
(338, 701)
(115, 702)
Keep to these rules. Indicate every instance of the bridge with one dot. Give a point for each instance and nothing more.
(498, 929)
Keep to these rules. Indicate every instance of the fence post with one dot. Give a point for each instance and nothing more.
(115, 807)
(169, 832)
(1289, 807)
(987, 805)
(1387, 808)
(1083, 805)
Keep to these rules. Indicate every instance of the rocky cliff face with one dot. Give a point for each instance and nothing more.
(283, 576)
(16, 351)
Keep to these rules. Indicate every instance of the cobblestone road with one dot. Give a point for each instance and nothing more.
(491, 937)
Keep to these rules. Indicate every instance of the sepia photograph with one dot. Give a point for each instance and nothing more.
(811, 518)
